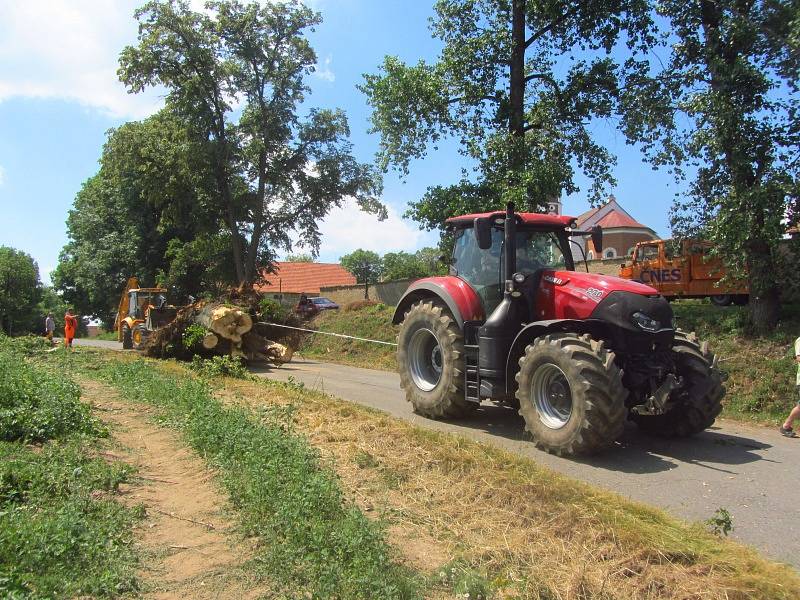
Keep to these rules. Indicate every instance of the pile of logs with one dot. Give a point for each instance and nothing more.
(229, 331)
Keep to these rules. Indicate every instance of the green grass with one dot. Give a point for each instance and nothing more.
(311, 539)
(109, 336)
(371, 322)
(62, 534)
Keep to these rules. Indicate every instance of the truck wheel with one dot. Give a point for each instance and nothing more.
(138, 336)
(699, 401)
(430, 359)
(571, 394)
(721, 300)
(127, 338)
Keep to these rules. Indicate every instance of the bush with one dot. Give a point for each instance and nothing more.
(193, 335)
(359, 304)
(272, 311)
(37, 404)
(219, 366)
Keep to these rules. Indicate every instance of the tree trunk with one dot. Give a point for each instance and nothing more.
(366, 290)
(764, 293)
(225, 321)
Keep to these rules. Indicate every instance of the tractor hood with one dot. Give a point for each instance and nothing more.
(598, 286)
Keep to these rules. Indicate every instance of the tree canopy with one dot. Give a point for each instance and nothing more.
(276, 173)
(518, 84)
(20, 290)
(366, 265)
(722, 110)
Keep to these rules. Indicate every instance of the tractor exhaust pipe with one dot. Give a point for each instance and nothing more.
(510, 242)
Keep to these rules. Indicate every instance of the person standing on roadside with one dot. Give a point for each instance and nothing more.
(49, 327)
(786, 429)
(70, 327)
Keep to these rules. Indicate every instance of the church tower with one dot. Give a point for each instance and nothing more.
(554, 206)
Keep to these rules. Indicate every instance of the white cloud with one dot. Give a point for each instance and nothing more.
(348, 228)
(324, 71)
(61, 49)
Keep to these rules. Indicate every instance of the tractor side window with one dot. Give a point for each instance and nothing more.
(480, 268)
(538, 250)
(133, 305)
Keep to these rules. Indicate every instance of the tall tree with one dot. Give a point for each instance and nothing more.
(276, 173)
(366, 265)
(20, 289)
(727, 102)
(149, 212)
(518, 84)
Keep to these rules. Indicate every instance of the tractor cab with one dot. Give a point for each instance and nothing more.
(577, 353)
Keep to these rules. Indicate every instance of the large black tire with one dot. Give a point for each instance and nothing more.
(578, 373)
(127, 337)
(434, 387)
(700, 400)
(721, 299)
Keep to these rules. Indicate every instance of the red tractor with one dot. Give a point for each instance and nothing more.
(577, 354)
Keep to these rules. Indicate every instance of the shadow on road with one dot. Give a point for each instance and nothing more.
(636, 452)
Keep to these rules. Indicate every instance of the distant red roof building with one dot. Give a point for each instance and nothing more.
(304, 278)
(620, 230)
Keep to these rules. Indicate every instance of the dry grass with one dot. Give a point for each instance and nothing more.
(530, 532)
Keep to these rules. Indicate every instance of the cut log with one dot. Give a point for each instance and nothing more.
(226, 321)
(260, 348)
(210, 340)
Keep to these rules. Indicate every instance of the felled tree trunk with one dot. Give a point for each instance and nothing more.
(226, 321)
(259, 347)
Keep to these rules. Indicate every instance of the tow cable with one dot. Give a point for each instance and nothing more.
(341, 335)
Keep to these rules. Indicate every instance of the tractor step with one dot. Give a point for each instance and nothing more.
(472, 384)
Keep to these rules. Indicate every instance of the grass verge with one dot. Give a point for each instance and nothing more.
(62, 534)
(311, 539)
(760, 387)
(474, 519)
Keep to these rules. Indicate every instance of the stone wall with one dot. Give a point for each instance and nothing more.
(388, 292)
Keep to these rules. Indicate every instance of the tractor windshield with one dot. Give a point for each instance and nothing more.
(482, 269)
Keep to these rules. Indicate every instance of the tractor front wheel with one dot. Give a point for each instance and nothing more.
(721, 299)
(570, 394)
(127, 337)
(430, 359)
(138, 336)
(698, 402)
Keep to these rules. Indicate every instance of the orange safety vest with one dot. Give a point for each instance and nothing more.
(70, 325)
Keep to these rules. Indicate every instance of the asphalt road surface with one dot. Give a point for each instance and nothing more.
(753, 472)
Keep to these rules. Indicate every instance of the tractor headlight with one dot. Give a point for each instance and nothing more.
(645, 322)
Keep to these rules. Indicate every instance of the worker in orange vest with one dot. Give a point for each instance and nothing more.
(70, 327)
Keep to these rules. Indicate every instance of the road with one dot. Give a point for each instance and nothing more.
(751, 471)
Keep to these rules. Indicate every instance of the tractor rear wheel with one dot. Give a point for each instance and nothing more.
(127, 337)
(430, 359)
(138, 336)
(700, 398)
(570, 394)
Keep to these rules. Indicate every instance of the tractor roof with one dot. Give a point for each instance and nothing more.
(535, 219)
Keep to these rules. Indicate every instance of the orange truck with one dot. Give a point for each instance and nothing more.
(691, 272)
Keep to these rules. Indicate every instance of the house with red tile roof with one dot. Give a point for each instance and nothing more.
(621, 231)
(294, 278)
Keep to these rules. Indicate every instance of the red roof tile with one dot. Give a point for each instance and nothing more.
(618, 219)
(302, 277)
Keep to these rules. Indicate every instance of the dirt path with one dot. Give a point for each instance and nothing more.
(188, 546)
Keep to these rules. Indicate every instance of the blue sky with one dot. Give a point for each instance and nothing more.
(59, 95)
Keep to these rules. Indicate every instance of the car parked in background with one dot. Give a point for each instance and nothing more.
(308, 307)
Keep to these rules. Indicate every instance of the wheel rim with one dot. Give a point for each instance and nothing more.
(137, 336)
(552, 396)
(425, 359)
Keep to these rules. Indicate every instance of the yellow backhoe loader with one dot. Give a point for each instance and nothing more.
(141, 311)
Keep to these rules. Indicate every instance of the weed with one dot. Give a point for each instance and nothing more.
(721, 523)
(219, 366)
(38, 404)
(365, 460)
(272, 311)
(193, 336)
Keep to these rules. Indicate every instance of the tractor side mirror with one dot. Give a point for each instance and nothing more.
(483, 232)
(597, 238)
